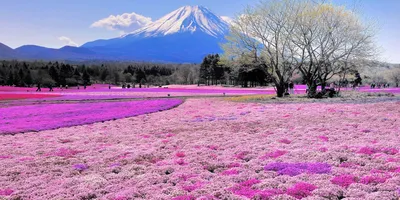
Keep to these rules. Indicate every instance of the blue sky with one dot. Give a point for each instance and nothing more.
(44, 22)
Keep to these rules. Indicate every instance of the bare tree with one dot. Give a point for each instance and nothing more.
(317, 38)
(335, 38)
(263, 33)
(394, 76)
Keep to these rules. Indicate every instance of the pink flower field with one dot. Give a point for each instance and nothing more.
(206, 148)
(38, 117)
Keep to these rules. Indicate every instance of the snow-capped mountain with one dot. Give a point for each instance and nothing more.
(185, 19)
(187, 34)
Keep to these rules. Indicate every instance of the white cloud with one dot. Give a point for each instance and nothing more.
(227, 19)
(126, 22)
(67, 41)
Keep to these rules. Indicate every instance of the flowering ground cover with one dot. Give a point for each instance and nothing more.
(209, 148)
(15, 119)
(14, 96)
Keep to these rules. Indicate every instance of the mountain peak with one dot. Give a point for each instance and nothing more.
(185, 19)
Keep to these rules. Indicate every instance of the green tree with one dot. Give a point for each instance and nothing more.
(204, 69)
(54, 74)
(10, 78)
(104, 75)
(28, 80)
(86, 77)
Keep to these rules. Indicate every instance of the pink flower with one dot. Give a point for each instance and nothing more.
(193, 187)
(275, 154)
(241, 155)
(66, 152)
(184, 197)
(344, 180)
(230, 172)
(323, 149)
(164, 141)
(121, 198)
(232, 165)
(6, 192)
(374, 179)
(213, 147)
(390, 151)
(323, 138)
(180, 154)
(180, 162)
(301, 190)
(285, 141)
(367, 150)
(365, 131)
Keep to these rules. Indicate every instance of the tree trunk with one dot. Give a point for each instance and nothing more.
(323, 86)
(280, 90)
(312, 89)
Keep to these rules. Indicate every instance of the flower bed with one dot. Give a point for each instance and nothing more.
(49, 116)
(13, 96)
(213, 149)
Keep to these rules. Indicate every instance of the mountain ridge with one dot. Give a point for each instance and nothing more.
(184, 35)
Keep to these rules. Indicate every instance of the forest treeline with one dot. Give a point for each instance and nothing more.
(210, 72)
(23, 73)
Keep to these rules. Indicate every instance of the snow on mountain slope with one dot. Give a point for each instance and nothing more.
(185, 19)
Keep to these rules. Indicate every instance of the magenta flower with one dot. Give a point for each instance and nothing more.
(294, 169)
(374, 179)
(367, 150)
(180, 162)
(180, 154)
(390, 151)
(301, 190)
(323, 138)
(66, 152)
(6, 192)
(285, 141)
(232, 165)
(274, 154)
(184, 197)
(230, 172)
(344, 180)
(323, 149)
(193, 187)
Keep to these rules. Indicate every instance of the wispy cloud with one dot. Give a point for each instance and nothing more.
(67, 41)
(124, 23)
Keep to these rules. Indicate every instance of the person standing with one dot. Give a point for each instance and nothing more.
(39, 89)
(291, 87)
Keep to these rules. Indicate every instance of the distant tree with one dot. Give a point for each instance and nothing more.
(142, 82)
(28, 78)
(140, 75)
(104, 75)
(394, 76)
(54, 74)
(86, 77)
(10, 78)
(116, 78)
(20, 81)
(204, 70)
(77, 76)
(128, 78)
